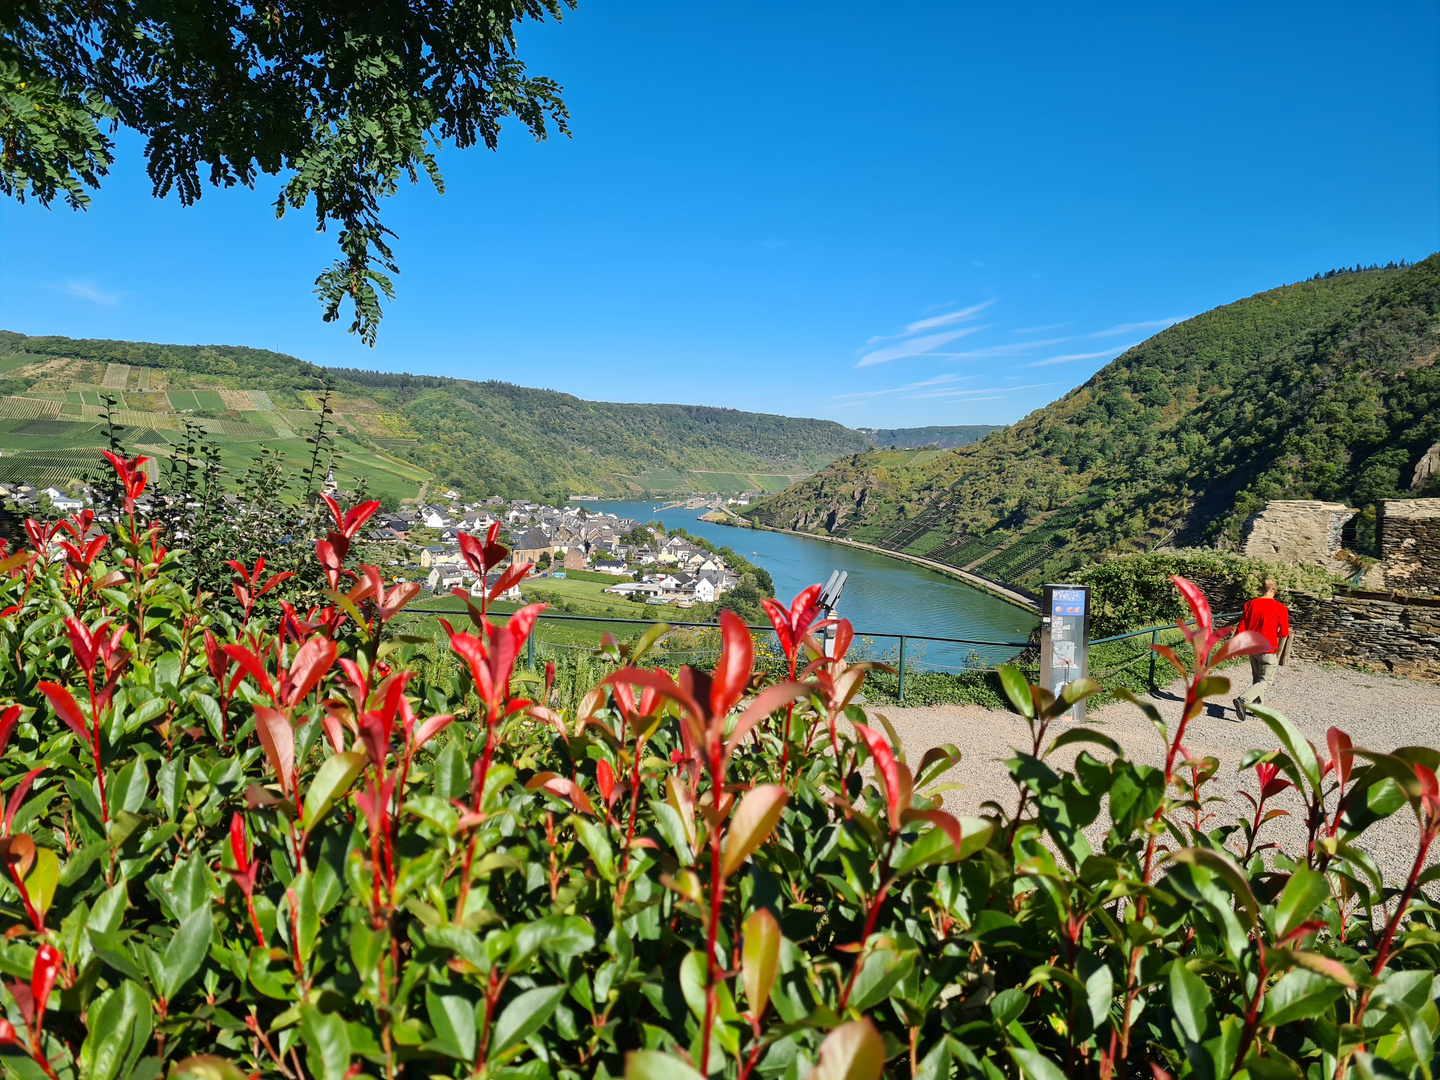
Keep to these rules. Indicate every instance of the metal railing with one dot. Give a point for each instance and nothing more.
(903, 640)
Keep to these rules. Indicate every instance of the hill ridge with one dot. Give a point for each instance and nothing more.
(1323, 388)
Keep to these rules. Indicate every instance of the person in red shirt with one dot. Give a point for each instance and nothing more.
(1271, 618)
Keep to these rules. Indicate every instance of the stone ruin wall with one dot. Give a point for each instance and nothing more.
(1297, 531)
(1373, 631)
(1409, 531)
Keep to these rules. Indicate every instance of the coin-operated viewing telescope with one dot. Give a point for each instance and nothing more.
(1064, 640)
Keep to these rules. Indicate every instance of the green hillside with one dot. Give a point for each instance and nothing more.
(943, 437)
(1326, 389)
(397, 432)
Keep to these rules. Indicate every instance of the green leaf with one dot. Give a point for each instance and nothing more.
(1295, 744)
(453, 1019)
(1231, 874)
(563, 935)
(112, 949)
(657, 1065)
(119, 1027)
(301, 897)
(592, 836)
(170, 787)
(1191, 1002)
(1300, 995)
(109, 909)
(1083, 735)
(1035, 1064)
(760, 958)
(1017, 690)
(1305, 891)
(186, 952)
(332, 780)
(128, 790)
(327, 1043)
(523, 1017)
(43, 879)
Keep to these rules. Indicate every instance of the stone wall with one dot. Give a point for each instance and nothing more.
(1297, 531)
(1377, 631)
(1409, 531)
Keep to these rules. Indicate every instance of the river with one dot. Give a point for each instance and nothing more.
(882, 595)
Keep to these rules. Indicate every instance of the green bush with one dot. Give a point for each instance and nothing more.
(297, 845)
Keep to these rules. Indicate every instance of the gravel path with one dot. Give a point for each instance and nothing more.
(1378, 712)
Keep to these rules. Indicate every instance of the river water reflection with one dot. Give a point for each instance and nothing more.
(882, 595)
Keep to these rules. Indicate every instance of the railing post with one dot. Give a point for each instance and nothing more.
(902, 667)
(1154, 640)
(530, 652)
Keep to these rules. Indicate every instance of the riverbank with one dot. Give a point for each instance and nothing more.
(973, 580)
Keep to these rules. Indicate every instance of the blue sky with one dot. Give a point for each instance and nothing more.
(887, 215)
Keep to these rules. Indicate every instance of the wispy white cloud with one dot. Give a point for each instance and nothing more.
(866, 395)
(1038, 329)
(1116, 351)
(956, 395)
(914, 347)
(88, 290)
(947, 319)
(1019, 348)
(1130, 328)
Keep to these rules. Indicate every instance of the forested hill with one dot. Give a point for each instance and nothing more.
(397, 431)
(1324, 389)
(940, 437)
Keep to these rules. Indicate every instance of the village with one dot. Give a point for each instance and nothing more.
(648, 565)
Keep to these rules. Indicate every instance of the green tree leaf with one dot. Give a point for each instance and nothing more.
(186, 951)
(523, 1017)
(327, 1043)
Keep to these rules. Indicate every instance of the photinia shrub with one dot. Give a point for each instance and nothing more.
(246, 840)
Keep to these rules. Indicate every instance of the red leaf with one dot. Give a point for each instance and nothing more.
(8, 720)
(736, 664)
(356, 516)
(780, 620)
(310, 665)
(215, 657)
(252, 666)
(562, 788)
(658, 681)
(940, 819)
(765, 703)
(1199, 606)
(605, 778)
(278, 739)
(64, 705)
(844, 635)
(239, 847)
(508, 579)
(522, 623)
(335, 512)
(1342, 756)
(432, 727)
(272, 582)
(888, 768)
(1245, 643)
(331, 560)
(18, 795)
(42, 980)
